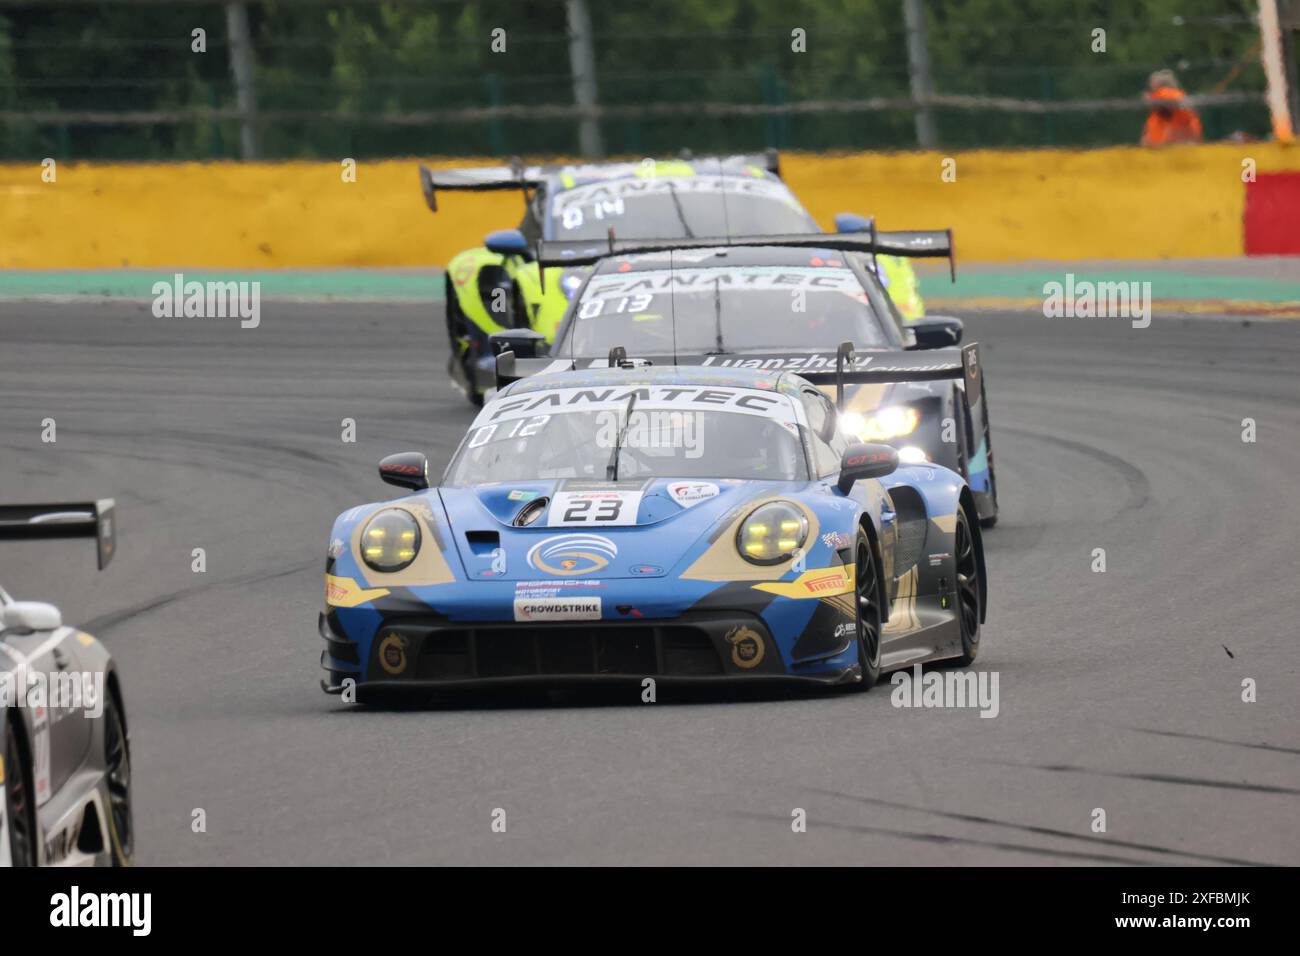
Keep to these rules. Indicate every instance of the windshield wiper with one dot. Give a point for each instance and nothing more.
(718, 349)
(677, 204)
(611, 470)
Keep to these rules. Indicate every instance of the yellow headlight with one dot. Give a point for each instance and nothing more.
(390, 540)
(884, 424)
(772, 532)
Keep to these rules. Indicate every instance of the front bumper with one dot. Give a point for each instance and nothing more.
(429, 652)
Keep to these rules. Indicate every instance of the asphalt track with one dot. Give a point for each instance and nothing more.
(1119, 690)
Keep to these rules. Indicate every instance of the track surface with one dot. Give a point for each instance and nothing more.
(1116, 689)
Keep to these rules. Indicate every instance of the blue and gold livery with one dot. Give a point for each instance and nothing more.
(677, 523)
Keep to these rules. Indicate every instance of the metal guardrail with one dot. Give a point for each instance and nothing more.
(568, 111)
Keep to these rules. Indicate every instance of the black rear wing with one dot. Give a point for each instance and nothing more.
(921, 366)
(913, 244)
(847, 367)
(517, 176)
(478, 179)
(84, 519)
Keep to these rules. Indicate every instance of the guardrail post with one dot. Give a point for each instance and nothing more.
(582, 62)
(241, 68)
(918, 68)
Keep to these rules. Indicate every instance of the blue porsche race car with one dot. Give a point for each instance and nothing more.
(676, 523)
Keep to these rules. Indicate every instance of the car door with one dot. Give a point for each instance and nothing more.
(47, 667)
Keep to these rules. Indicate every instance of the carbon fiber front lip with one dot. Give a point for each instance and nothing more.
(848, 675)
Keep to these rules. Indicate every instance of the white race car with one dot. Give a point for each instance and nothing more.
(65, 759)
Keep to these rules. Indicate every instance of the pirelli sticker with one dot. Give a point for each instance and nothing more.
(345, 592)
(817, 583)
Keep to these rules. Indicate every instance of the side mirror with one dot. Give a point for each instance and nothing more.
(507, 242)
(863, 461)
(30, 616)
(525, 343)
(936, 332)
(851, 222)
(406, 469)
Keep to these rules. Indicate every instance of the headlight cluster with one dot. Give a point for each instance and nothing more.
(884, 424)
(390, 540)
(772, 532)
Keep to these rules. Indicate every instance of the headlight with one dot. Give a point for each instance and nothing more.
(771, 533)
(391, 540)
(884, 424)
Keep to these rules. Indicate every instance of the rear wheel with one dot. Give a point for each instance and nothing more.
(968, 589)
(866, 594)
(20, 808)
(117, 763)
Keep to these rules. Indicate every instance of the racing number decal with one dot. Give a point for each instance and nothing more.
(581, 511)
(594, 508)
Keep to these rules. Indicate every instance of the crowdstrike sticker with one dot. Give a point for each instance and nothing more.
(557, 609)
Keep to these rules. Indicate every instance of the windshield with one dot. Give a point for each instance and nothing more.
(678, 207)
(721, 310)
(609, 434)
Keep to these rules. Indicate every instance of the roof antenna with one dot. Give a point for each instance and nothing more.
(611, 240)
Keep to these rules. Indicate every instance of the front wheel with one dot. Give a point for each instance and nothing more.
(968, 589)
(866, 594)
(117, 768)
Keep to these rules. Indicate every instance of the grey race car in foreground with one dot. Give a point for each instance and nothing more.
(65, 763)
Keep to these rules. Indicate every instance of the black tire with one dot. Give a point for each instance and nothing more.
(867, 601)
(117, 761)
(968, 589)
(19, 797)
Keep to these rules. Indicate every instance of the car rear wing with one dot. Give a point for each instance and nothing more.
(768, 160)
(86, 519)
(517, 176)
(477, 179)
(877, 367)
(846, 367)
(913, 244)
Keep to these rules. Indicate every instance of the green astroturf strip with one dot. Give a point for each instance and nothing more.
(422, 285)
(1164, 285)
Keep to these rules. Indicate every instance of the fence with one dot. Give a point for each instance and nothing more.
(127, 80)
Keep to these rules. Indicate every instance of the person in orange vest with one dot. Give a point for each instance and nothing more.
(1171, 120)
